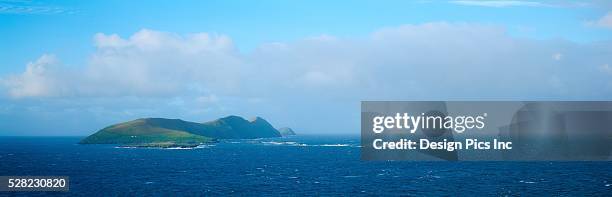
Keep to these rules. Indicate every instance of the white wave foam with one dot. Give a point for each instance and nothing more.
(284, 143)
(204, 146)
(125, 147)
(289, 143)
(351, 176)
(179, 148)
(333, 145)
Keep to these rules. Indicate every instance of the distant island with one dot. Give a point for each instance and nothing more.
(170, 133)
(286, 131)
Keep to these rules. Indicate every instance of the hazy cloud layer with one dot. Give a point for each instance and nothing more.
(201, 76)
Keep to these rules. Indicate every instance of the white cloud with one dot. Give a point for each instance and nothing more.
(499, 3)
(149, 63)
(605, 21)
(160, 64)
(202, 76)
(38, 79)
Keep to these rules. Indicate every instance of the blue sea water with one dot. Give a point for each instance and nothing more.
(300, 165)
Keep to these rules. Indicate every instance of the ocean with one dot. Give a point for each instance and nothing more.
(298, 165)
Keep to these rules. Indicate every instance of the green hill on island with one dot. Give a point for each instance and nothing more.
(161, 132)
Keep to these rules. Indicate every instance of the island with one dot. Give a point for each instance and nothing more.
(286, 131)
(177, 133)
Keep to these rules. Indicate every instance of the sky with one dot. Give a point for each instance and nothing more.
(74, 67)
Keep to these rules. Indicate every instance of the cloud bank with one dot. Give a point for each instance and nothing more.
(201, 76)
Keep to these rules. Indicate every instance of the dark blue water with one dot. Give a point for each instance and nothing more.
(314, 165)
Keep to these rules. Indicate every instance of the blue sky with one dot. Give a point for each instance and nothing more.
(72, 67)
(249, 23)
